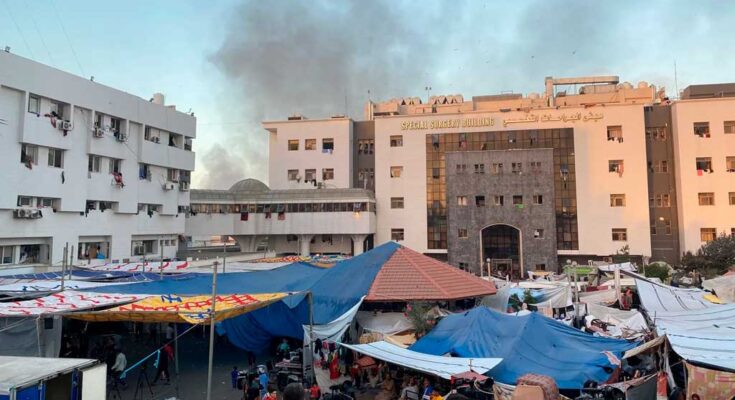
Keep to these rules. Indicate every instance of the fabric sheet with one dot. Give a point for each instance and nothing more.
(723, 286)
(387, 323)
(627, 323)
(63, 302)
(30, 337)
(443, 367)
(709, 384)
(657, 297)
(527, 344)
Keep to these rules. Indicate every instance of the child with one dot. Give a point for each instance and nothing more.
(315, 393)
(233, 375)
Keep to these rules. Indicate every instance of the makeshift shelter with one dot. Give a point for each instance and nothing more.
(33, 378)
(657, 297)
(411, 276)
(527, 344)
(723, 286)
(443, 367)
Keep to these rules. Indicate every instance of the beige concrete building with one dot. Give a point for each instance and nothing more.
(590, 168)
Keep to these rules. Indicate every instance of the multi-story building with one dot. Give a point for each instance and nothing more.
(526, 182)
(86, 165)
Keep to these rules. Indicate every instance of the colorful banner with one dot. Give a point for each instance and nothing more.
(183, 309)
(703, 383)
(63, 302)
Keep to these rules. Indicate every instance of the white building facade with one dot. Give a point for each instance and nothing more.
(89, 166)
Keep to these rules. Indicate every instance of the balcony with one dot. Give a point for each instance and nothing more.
(166, 156)
(38, 130)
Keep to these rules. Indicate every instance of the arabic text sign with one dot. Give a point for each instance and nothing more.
(62, 302)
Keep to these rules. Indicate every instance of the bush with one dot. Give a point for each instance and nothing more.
(713, 258)
(659, 270)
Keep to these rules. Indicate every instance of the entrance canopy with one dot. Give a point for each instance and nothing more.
(177, 309)
(443, 367)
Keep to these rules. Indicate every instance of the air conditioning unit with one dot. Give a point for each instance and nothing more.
(20, 213)
(98, 132)
(122, 137)
(63, 125)
(168, 186)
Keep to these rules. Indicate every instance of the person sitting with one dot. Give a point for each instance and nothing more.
(428, 389)
(411, 390)
(388, 389)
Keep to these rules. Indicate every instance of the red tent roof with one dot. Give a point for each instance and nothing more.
(411, 276)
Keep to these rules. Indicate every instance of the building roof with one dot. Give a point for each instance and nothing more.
(249, 185)
(410, 276)
(20, 371)
(281, 196)
(708, 91)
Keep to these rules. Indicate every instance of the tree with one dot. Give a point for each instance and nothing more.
(713, 258)
(418, 314)
(659, 270)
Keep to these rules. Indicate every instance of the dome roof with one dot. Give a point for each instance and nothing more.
(249, 185)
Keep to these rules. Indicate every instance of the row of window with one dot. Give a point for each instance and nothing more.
(282, 207)
(708, 198)
(310, 175)
(310, 144)
(710, 234)
(29, 156)
(38, 202)
(495, 168)
(702, 130)
(704, 164)
(499, 200)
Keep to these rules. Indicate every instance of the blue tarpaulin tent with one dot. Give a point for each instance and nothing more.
(527, 344)
(335, 290)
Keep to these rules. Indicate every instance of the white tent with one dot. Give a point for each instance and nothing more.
(443, 367)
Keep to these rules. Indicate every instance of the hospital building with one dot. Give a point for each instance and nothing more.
(589, 168)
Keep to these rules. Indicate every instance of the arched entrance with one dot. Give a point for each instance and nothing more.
(501, 249)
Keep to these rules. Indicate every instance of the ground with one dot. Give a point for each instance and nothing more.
(191, 383)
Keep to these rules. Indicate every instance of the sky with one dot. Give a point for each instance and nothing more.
(237, 63)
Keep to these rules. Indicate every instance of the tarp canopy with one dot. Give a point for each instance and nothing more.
(657, 297)
(387, 323)
(50, 286)
(723, 286)
(83, 275)
(147, 266)
(443, 367)
(626, 266)
(527, 344)
(182, 309)
(64, 302)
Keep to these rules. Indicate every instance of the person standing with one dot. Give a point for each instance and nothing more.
(163, 362)
(263, 380)
(170, 332)
(121, 362)
(233, 376)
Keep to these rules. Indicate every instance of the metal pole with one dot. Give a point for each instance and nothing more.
(211, 332)
(63, 265)
(160, 267)
(311, 334)
(224, 255)
(71, 262)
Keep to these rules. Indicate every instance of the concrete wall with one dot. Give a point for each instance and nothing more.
(281, 159)
(687, 147)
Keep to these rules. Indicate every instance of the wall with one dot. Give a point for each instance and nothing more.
(687, 147)
(281, 159)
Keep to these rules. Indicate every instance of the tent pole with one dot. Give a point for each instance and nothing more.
(211, 331)
(63, 265)
(70, 265)
(311, 334)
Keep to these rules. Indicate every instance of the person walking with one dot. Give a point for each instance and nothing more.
(164, 358)
(121, 362)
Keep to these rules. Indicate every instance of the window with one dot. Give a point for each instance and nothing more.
(498, 200)
(656, 133)
(704, 164)
(615, 132)
(396, 171)
(327, 174)
(462, 201)
(708, 234)
(365, 146)
(396, 202)
(516, 168)
(25, 201)
(435, 173)
(731, 196)
(538, 234)
(93, 165)
(310, 144)
(144, 172)
(707, 199)
(327, 145)
(396, 234)
(55, 158)
(293, 174)
(730, 164)
(701, 129)
(540, 267)
(143, 247)
(653, 228)
(116, 168)
(732, 231)
(57, 108)
(462, 233)
(497, 168)
(34, 104)
(729, 127)
(464, 266)
(667, 226)
(293, 145)
(617, 200)
(480, 201)
(479, 168)
(29, 154)
(620, 235)
(538, 199)
(309, 175)
(662, 167)
(396, 141)
(115, 127)
(44, 202)
(517, 200)
(661, 200)
(461, 168)
(615, 166)
(535, 166)
(6, 254)
(172, 175)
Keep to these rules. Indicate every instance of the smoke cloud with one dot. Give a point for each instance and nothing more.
(320, 58)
